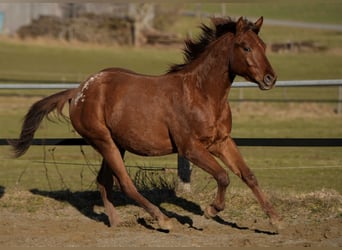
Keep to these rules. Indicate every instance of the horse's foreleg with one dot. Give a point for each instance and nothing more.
(200, 156)
(105, 185)
(231, 157)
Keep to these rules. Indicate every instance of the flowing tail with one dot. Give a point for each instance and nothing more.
(34, 117)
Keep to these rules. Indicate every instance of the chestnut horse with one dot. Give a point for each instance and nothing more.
(184, 111)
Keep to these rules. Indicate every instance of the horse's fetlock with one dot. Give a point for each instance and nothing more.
(219, 207)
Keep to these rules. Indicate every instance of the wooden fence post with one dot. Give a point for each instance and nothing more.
(184, 174)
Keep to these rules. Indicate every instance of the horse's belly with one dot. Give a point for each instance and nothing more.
(146, 147)
(145, 142)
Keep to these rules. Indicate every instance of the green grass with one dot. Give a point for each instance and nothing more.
(281, 169)
(306, 10)
(292, 127)
(20, 61)
(307, 66)
(60, 64)
(289, 168)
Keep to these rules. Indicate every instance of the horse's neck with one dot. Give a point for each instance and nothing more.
(212, 72)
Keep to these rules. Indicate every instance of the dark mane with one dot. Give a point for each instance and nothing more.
(193, 49)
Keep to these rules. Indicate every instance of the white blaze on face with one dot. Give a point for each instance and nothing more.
(81, 96)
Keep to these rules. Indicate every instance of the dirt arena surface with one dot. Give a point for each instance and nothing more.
(44, 219)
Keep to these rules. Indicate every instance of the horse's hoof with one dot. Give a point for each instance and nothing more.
(113, 218)
(210, 212)
(278, 225)
(165, 224)
(114, 222)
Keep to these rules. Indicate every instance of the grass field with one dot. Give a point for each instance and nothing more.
(316, 11)
(289, 169)
(306, 169)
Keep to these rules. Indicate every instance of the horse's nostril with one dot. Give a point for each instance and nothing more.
(268, 79)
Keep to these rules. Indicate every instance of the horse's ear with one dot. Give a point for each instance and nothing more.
(258, 24)
(240, 25)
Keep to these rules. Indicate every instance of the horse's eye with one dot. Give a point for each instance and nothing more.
(247, 49)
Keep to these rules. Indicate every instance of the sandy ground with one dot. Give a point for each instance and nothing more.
(60, 219)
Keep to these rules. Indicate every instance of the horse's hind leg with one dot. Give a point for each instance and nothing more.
(231, 157)
(112, 156)
(105, 185)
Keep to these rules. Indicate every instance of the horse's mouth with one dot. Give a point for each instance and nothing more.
(262, 86)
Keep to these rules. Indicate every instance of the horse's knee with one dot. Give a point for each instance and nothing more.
(223, 179)
(250, 179)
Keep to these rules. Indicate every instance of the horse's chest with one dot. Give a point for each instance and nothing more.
(210, 128)
(211, 134)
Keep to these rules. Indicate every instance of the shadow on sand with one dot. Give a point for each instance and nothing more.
(84, 202)
(2, 191)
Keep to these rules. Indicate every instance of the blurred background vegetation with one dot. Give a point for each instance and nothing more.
(82, 40)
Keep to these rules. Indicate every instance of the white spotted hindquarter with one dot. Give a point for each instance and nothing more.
(82, 93)
(83, 103)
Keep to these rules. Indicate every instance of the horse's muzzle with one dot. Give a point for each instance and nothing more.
(268, 82)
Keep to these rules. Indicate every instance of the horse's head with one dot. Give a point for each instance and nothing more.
(248, 57)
